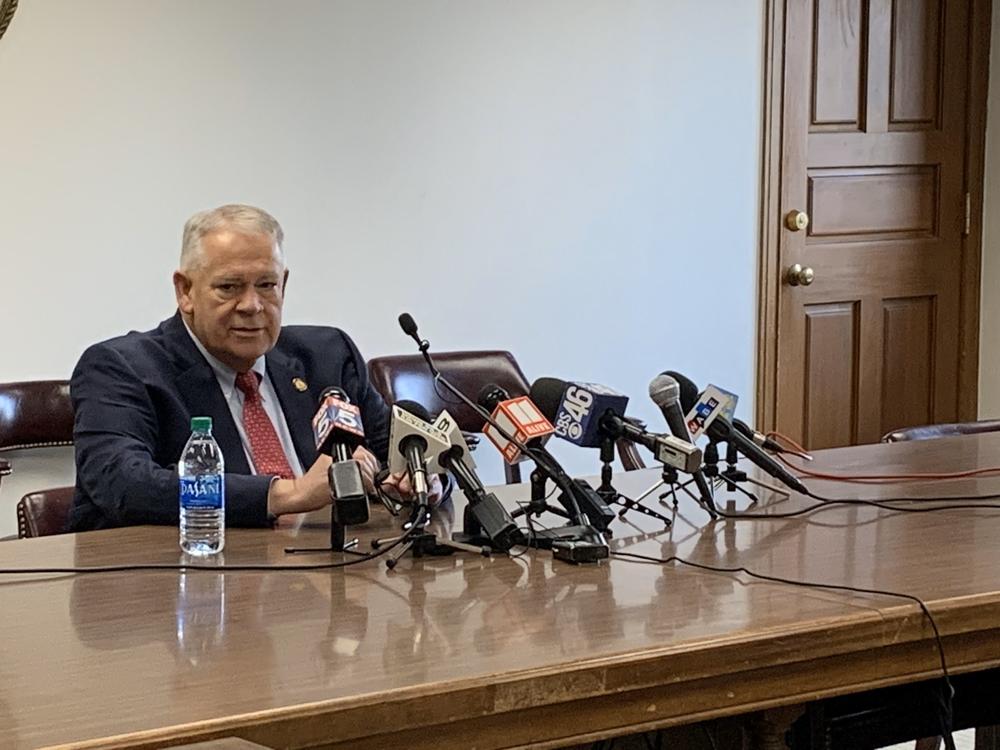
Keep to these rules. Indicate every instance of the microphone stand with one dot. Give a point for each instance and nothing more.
(732, 477)
(610, 495)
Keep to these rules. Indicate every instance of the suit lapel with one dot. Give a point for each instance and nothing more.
(200, 392)
(298, 406)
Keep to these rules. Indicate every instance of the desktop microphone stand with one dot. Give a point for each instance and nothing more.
(338, 543)
(611, 496)
(733, 477)
(422, 543)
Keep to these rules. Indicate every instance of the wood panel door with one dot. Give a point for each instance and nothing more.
(873, 144)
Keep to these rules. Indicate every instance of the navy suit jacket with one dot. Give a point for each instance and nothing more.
(134, 397)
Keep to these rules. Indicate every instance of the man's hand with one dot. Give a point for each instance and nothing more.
(398, 487)
(369, 467)
(311, 491)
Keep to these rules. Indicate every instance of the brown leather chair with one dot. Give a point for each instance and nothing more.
(35, 414)
(44, 513)
(406, 377)
(932, 431)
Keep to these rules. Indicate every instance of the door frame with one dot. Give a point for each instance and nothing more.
(768, 274)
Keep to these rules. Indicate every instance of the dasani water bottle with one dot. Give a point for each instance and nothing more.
(202, 491)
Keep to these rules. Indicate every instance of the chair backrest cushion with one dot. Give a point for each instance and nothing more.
(44, 513)
(406, 377)
(35, 414)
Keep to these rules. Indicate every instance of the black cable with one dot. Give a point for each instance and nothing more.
(949, 689)
(152, 567)
(912, 499)
(883, 504)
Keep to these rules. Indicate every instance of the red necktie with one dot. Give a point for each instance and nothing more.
(265, 448)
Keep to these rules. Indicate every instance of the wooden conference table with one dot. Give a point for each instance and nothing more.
(466, 652)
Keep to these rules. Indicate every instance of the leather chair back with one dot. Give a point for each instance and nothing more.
(406, 377)
(44, 513)
(35, 414)
(930, 432)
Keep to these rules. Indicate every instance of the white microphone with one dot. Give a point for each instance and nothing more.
(447, 424)
(415, 447)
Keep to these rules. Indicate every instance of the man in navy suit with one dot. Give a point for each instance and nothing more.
(224, 355)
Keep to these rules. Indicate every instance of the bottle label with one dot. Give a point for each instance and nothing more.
(205, 491)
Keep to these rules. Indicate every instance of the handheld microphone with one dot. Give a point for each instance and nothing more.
(721, 429)
(485, 508)
(337, 430)
(587, 414)
(665, 392)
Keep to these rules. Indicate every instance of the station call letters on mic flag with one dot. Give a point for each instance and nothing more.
(337, 419)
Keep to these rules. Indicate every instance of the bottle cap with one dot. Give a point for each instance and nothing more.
(201, 424)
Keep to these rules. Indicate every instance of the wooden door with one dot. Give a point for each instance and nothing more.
(873, 143)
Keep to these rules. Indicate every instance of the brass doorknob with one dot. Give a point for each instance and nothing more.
(796, 220)
(798, 275)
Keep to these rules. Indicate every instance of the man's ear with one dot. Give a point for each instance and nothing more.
(182, 290)
(284, 282)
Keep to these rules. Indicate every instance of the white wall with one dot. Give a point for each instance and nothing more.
(564, 178)
(989, 363)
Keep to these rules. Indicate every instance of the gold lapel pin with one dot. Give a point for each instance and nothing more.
(300, 384)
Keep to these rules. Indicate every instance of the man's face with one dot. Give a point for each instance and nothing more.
(232, 299)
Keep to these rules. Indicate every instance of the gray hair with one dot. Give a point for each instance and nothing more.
(235, 216)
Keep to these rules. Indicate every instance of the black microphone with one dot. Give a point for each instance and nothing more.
(587, 500)
(759, 438)
(484, 507)
(337, 430)
(722, 430)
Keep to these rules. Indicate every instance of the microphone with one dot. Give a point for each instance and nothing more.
(521, 419)
(600, 515)
(485, 508)
(337, 430)
(449, 426)
(587, 414)
(414, 447)
(721, 429)
(665, 392)
(763, 440)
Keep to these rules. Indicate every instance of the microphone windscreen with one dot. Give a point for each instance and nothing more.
(335, 391)
(408, 324)
(689, 391)
(547, 395)
(415, 409)
(490, 395)
(664, 390)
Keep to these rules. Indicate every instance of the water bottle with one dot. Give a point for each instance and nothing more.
(202, 492)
